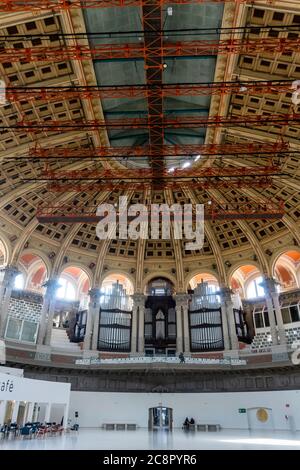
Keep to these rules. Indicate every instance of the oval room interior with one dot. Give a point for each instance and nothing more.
(149, 224)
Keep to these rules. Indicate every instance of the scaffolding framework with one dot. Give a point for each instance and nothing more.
(249, 148)
(191, 122)
(57, 5)
(149, 49)
(157, 91)
(217, 210)
(79, 186)
(153, 59)
(154, 50)
(149, 173)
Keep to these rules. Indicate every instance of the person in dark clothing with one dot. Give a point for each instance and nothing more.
(186, 423)
(181, 357)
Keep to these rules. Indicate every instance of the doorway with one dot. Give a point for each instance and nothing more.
(160, 417)
(260, 418)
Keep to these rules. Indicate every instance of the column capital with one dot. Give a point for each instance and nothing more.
(182, 299)
(269, 284)
(226, 293)
(10, 272)
(139, 299)
(95, 293)
(51, 286)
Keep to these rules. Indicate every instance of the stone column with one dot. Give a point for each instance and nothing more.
(15, 412)
(134, 325)
(179, 330)
(182, 300)
(35, 413)
(45, 327)
(273, 330)
(2, 411)
(272, 301)
(66, 416)
(139, 300)
(7, 285)
(29, 413)
(93, 312)
(280, 324)
(227, 304)
(225, 328)
(47, 412)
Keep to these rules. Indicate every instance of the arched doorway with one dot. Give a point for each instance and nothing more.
(72, 303)
(160, 318)
(160, 417)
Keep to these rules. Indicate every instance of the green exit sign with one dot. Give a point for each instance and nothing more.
(242, 410)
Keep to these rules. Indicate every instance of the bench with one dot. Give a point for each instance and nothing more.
(119, 426)
(209, 427)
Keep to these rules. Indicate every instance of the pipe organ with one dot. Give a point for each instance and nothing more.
(205, 320)
(115, 319)
(160, 324)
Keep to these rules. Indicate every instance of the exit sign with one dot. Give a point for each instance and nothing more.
(242, 410)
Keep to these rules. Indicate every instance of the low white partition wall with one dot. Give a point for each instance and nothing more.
(23, 400)
(243, 410)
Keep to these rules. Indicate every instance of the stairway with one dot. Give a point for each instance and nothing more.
(59, 339)
(261, 340)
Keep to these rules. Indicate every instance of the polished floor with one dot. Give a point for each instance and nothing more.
(94, 439)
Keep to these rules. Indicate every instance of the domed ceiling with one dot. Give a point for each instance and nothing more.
(24, 187)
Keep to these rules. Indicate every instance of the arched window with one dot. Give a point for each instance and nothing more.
(66, 290)
(286, 269)
(241, 280)
(35, 272)
(112, 280)
(254, 288)
(75, 285)
(212, 282)
(19, 282)
(160, 286)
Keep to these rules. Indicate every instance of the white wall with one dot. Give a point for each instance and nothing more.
(40, 391)
(57, 412)
(11, 371)
(96, 408)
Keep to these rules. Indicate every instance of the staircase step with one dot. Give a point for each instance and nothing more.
(60, 339)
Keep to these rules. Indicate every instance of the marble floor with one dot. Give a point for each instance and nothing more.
(96, 439)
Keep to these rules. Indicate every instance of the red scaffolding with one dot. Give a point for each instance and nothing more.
(148, 173)
(190, 122)
(138, 50)
(56, 5)
(77, 186)
(248, 148)
(17, 94)
(217, 210)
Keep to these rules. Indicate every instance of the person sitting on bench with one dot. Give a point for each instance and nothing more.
(186, 423)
